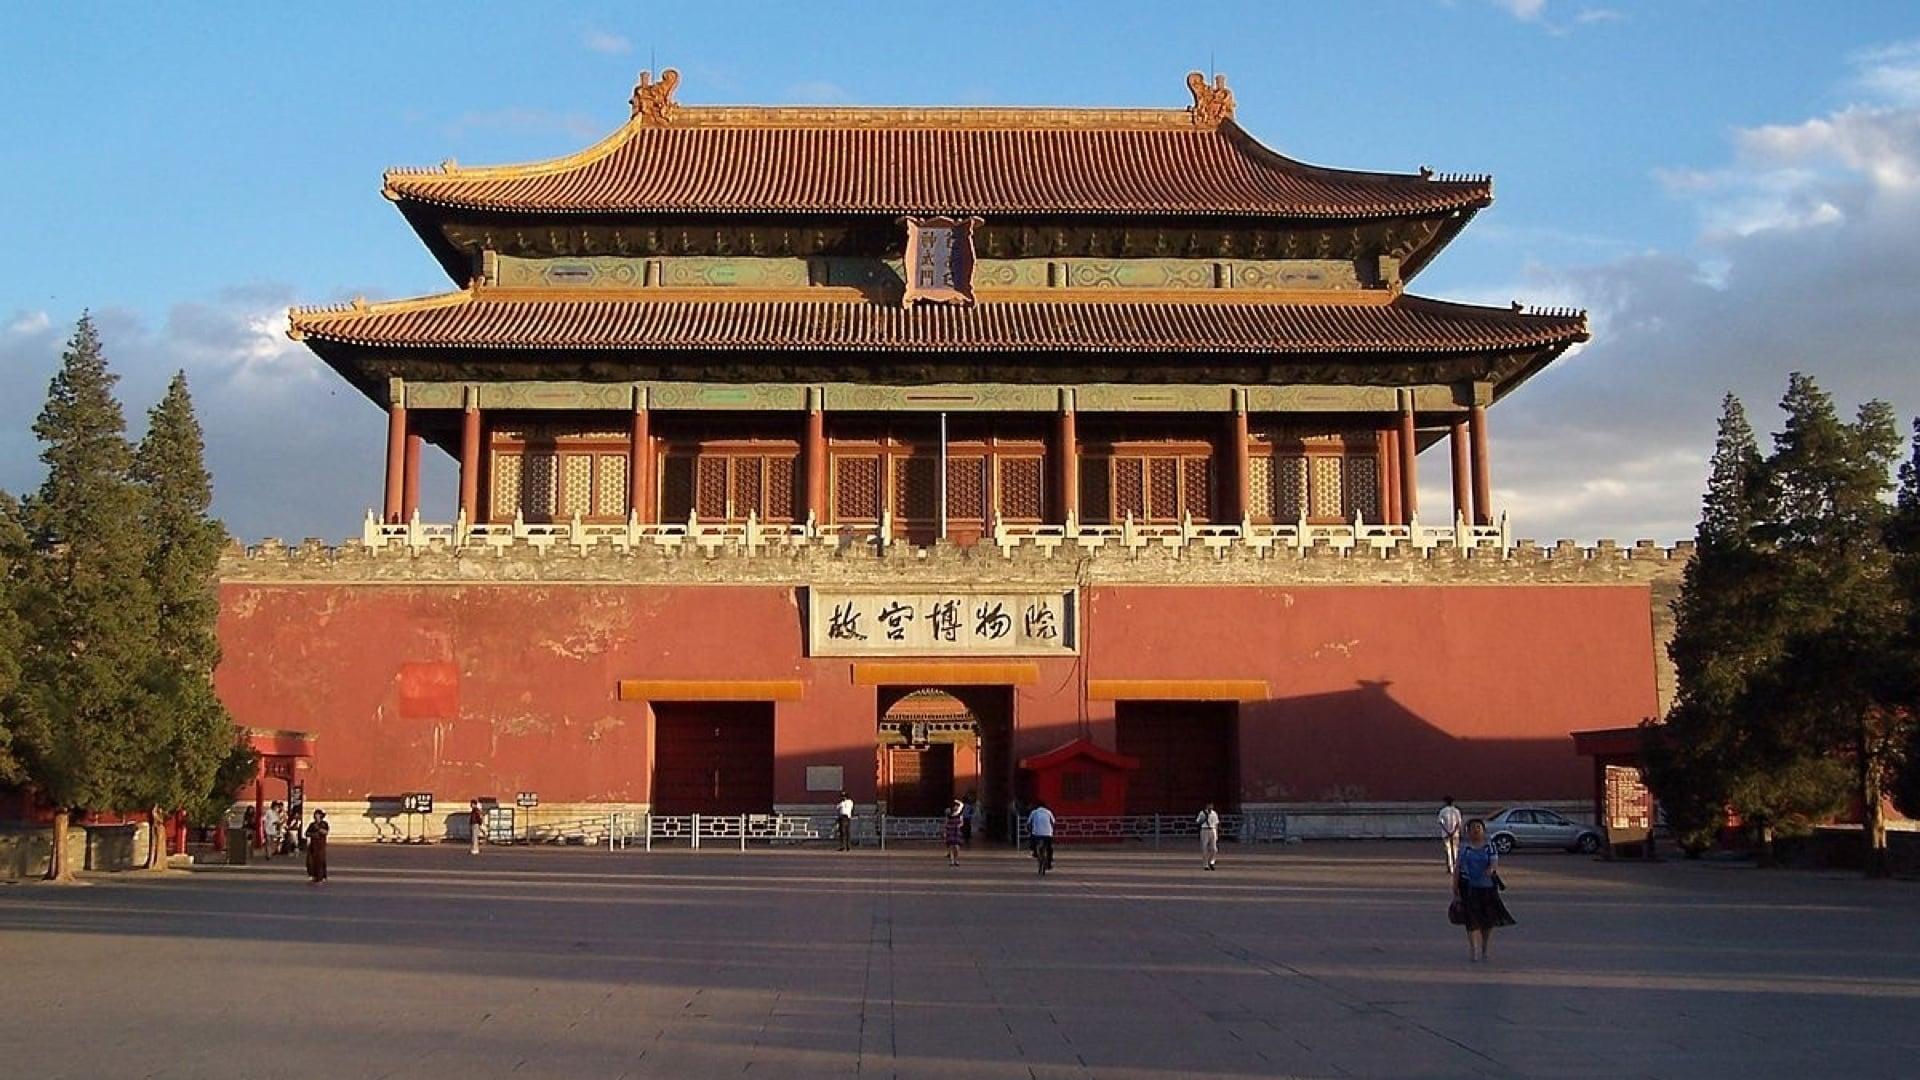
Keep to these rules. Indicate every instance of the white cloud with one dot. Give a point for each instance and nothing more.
(25, 323)
(1804, 261)
(293, 449)
(1889, 73)
(1555, 20)
(603, 41)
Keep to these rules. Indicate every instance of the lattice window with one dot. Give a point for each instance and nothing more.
(748, 484)
(1363, 487)
(856, 488)
(710, 488)
(780, 484)
(506, 485)
(611, 497)
(916, 488)
(1198, 493)
(1096, 490)
(1163, 489)
(1260, 493)
(1327, 494)
(537, 482)
(1289, 487)
(967, 488)
(676, 487)
(1129, 488)
(576, 485)
(1022, 490)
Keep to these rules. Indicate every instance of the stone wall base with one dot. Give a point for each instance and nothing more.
(25, 851)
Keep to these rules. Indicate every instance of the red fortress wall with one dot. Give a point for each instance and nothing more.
(1373, 692)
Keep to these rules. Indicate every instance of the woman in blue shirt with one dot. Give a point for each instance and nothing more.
(1478, 889)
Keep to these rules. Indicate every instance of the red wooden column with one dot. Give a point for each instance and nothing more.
(470, 456)
(1390, 472)
(410, 486)
(1462, 484)
(813, 454)
(390, 511)
(1066, 464)
(1409, 469)
(1482, 478)
(1383, 457)
(1239, 469)
(640, 468)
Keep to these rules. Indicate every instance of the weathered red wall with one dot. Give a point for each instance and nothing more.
(1377, 692)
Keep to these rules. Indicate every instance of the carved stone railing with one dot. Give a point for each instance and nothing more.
(753, 536)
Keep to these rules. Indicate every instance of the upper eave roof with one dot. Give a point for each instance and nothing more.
(803, 321)
(1196, 161)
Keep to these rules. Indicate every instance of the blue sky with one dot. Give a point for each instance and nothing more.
(1697, 174)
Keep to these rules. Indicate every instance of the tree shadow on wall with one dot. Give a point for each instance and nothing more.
(1364, 745)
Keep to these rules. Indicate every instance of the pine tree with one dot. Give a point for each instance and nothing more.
(13, 637)
(1903, 536)
(1722, 634)
(1832, 695)
(89, 609)
(188, 733)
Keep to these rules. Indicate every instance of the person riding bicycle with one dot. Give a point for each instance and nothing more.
(1040, 829)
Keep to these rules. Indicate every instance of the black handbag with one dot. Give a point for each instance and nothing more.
(1457, 913)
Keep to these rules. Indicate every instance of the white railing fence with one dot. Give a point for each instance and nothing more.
(1254, 827)
(736, 831)
(752, 535)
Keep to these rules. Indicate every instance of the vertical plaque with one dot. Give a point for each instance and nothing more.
(939, 262)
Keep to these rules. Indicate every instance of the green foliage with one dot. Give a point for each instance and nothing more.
(237, 766)
(1723, 631)
(14, 553)
(185, 732)
(89, 609)
(1793, 626)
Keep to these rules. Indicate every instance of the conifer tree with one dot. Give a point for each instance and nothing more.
(1903, 536)
(1723, 633)
(187, 734)
(89, 609)
(1830, 703)
(13, 638)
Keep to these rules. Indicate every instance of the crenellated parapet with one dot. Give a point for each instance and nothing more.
(1157, 560)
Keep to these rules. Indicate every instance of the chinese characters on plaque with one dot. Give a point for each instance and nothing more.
(939, 262)
(940, 624)
(1629, 805)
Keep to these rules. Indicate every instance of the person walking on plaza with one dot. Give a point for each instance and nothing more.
(1040, 828)
(270, 830)
(1450, 834)
(476, 826)
(843, 822)
(1477, 886)
(955, 830)
(966, 818)
(317, 848)
(1209, 822)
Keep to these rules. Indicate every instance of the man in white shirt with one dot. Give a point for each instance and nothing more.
(843, 822)
(1040, 827)
(1209, 822)
(1450, 834)
(270, 828)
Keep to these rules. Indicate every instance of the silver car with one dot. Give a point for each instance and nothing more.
(1532, 826)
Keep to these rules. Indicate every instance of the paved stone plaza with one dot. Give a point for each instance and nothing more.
(1329, 960)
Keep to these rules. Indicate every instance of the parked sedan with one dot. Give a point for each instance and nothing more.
(1531, 826)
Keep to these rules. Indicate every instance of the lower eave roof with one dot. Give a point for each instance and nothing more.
(487, 319)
